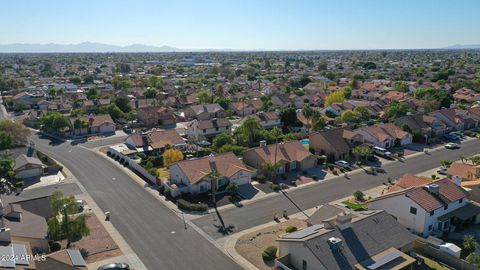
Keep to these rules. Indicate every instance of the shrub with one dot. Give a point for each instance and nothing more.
(261, 178)
(141, 155)
(184, 205)
(284, 176)
(291, 229)
(54, 246)
(161, 190)
(358, 195)
(434, 177)
(269, 254)
(275, 187)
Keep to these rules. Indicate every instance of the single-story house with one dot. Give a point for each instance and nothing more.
(193, 175)
(289, 156)
(26, 167)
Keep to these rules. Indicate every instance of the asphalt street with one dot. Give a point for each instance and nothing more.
(153, 231)
(262, 211)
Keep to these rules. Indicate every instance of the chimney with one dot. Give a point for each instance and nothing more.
(211, 158)
(457, 180)
(335, 243)
(344, 221)
(263, 143)
(433, 188)
(281, 145)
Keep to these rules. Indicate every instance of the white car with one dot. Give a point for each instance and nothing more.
(342, 163)
(452, 145)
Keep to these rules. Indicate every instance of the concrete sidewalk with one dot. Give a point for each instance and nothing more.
(129, 256)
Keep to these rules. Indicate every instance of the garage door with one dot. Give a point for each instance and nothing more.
(29, 173)
(244, 179)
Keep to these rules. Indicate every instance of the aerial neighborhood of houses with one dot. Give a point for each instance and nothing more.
(286, 160)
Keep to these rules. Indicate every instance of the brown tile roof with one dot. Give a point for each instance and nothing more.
(219, 122)
(288, 151)
(266, 116)
(465, 171)
(448, 192)
(157, 139)
(409, 180)
(226, 165)
(98, 120)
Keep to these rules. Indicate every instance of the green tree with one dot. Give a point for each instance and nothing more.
(347, 92)
(362, 152)
(55, 121)
(335, 97)
(475, 160)
(156, 82)
(400, 86)
(123, 103)
(66, 227)
(204, 96)
(232, 188)
(221, 140)
(288, 116)
(12, 134)
(350, 117)
(249, 132)
(151, 93)
(396, 109)
(310, 114)
(92, 93)
(364, 113)
(319, 124)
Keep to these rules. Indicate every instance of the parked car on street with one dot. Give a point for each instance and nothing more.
(342, 164)
(114, 266)
(452, 145)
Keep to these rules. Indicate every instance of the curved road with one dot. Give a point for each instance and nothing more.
(144, 222)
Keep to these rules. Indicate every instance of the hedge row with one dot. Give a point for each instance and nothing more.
(185, 205)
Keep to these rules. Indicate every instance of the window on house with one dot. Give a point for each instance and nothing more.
(460, 201)
(413, 210)
(204, 130)
(216, 129)
(430, 227)
(304, 265)
(431, 213)
(446, 207)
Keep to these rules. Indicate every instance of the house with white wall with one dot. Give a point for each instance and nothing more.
(193, 175)
(385, 135)
(209, 128)
(431, 209)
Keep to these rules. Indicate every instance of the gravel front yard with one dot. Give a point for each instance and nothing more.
(251, 245)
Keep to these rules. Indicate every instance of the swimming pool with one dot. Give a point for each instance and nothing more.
(305, 141)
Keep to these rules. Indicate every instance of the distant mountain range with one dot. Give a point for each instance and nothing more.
(81, 47)
(86, 47)
(464, 46)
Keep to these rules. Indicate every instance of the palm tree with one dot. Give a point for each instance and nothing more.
(214, 175)
(271, 170)
(469, 243)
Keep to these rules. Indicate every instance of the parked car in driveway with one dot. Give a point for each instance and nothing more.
(452, 145)
(382, 152)
(127, 129)
(442, 170)
(114, 266)
(342, 164)
(452, 137)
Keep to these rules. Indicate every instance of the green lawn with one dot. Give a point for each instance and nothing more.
(355, 206)
(433, 265)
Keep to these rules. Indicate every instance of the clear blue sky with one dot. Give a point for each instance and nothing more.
(245, 24)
